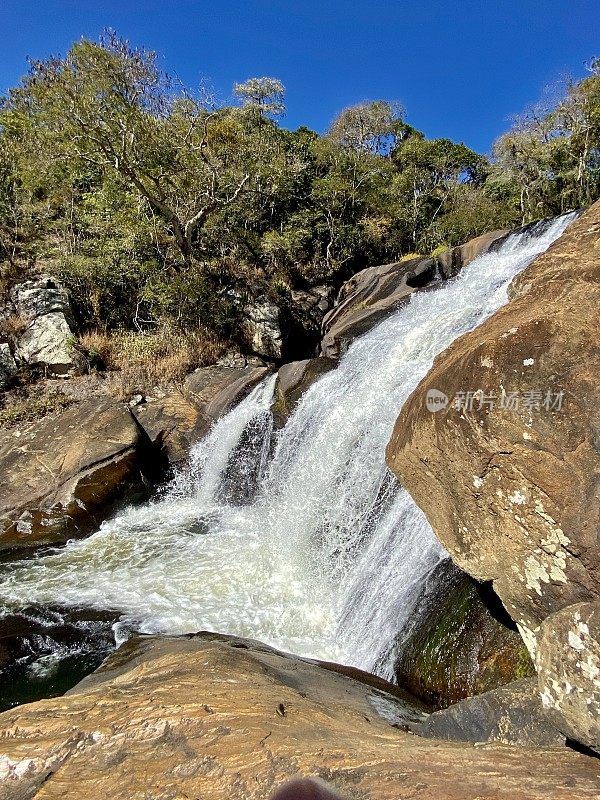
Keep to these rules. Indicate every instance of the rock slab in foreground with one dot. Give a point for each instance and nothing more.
(229, 719)
(512, 493)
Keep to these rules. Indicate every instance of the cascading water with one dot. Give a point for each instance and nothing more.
(307, 543)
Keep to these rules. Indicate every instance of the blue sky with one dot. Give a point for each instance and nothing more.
(459, 68)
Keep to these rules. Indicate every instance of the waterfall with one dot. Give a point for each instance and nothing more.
(302, 539)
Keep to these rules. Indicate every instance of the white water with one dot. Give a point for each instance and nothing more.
(316, 550)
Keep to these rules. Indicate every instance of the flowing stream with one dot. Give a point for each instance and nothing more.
(302, 539)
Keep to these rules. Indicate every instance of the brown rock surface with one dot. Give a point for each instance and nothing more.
(568, 662)
(227, 719)
(512, 493)
(177, 421)
(375, 292)
(455, 258)
(293, 380)
(60, 475)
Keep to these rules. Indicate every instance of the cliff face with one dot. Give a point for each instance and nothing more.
(508, 473)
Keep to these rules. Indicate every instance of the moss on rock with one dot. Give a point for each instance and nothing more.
(461, 642)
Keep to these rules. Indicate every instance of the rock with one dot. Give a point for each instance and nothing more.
(237, 360)
(220, 718)
(304, 319)
(47, 340)
(262, 324)
(173, 424)
(293, 380)
(459, 642)
(8, 366)
(45, 651)
(452, 260)
(368, 297)
(40, 296)
(217, 389)
(568, 662)
(61, 475)
(372, 294)
(513, 493)
(512, 714)
(177, 421)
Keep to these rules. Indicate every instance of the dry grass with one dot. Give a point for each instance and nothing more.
(139, 362)
(30, 404)
(13, 326)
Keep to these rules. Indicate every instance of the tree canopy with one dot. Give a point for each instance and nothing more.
(153, 202)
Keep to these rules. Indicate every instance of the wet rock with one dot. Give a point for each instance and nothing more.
(175, 422)
(568, 662)
(219, 717)
(368, 297)
(293, 380)
(374, 293)
(512, 492)
(45, 651)
(512, 714)
(452, 260)
(62, 475)
(459, 642)
(47, 340)
(218, 389)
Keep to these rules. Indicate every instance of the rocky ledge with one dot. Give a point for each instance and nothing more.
(230, 719)
(63, 475)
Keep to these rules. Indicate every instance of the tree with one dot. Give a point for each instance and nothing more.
(551, 154)
(110, 106)
(265, 95)
(429, 172)
(374, 126)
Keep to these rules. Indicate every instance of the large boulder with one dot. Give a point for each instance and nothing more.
(372, 294)
(458, 642)
(511, 487)
(221, 718)
(293, 379)
(43, 304)
(176, 421)
(452, 260)
(568, 662)
(512, 714)
(368, 297)
(61, 475)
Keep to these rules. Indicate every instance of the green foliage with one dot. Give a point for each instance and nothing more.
(549, 162)
(156, 206)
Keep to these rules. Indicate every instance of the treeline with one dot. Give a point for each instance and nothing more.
(156, 205)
